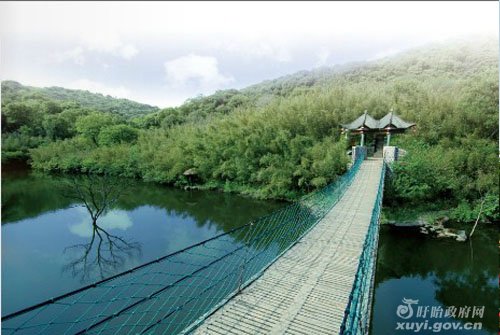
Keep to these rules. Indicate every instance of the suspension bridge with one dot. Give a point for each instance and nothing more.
(307, 268)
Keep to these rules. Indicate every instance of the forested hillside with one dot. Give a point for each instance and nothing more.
(281, 138)
(14, 91)
(33, 116)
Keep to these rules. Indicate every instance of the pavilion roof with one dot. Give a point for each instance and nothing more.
(392, 119)
(366, 121)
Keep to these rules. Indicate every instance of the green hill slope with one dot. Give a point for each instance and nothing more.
(32, 116)
(14, 91)
(437, 64)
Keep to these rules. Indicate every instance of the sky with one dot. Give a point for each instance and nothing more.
(163, 53)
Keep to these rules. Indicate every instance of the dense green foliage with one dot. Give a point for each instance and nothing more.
(116, 134)
(267, 156)
(281, 138)
(195, 110)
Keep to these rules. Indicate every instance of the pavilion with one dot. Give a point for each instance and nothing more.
(365, 124)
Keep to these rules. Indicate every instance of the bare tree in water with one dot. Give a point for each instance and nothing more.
(105, 253)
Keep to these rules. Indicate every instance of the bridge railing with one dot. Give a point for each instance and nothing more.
(174, 293)
(357, 314)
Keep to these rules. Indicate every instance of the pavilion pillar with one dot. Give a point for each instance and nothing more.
(388, 137)
(362, 139)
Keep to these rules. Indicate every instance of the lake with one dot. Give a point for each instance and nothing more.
(52, 227)
(439, 273)
(50, 246)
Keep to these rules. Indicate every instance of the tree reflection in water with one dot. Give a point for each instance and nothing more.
(105, 254)
(462, 274)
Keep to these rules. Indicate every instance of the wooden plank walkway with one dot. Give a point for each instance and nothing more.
(306, 291)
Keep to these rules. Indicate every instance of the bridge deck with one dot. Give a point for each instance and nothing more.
(306, 291)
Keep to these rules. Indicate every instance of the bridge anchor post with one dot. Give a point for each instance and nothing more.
(358, 151)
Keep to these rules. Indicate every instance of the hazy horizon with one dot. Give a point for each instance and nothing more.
(163, 53)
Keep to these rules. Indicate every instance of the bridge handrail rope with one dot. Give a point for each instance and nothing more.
(357, 314)
(174, 293)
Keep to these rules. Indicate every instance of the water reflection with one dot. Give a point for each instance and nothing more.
(111, 220)
(105, 253)
(437, 273)
(59, 232)
(27, 194)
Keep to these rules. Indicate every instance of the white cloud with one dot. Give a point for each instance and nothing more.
(266, 50)
(116, 219)
(251, 49)
(322, 57)
(385, 53)
(97, 87)
(194, 71)
(79, 54)
(104, 42)
(108, 41)
(75, 55)
(128, 51)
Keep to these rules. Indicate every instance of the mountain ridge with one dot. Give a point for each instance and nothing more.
(85, 98)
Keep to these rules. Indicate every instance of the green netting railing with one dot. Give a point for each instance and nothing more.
(357, 314)
(174, 293)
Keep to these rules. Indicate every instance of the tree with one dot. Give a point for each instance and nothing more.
(116, 134)
(51, 107)
(90, 125)
(57, 127)
(18, 114)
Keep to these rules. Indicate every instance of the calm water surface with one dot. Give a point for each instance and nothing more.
(50, 244)
(59, 233)
(438, 273)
